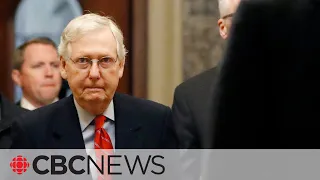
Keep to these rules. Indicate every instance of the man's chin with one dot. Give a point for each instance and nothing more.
(47, 101)
(95, 98)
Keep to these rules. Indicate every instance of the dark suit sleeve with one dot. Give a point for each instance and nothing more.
(20, 139)
(5, 139)
(9, 112)
(183, 122)
(185, 129)
(169, 140)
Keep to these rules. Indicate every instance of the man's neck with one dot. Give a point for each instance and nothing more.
(95, 108)
(27, 103)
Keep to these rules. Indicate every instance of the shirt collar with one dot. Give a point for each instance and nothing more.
(27, 105)
(86, 118)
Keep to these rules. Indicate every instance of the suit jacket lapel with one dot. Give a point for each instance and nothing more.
(66, 132)
(127, 124)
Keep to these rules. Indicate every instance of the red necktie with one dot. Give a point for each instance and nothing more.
(101, 138)
(103, 146)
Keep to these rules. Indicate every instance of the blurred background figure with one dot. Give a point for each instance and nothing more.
(227, 9)
(268, 94)
(192, 105)
(37, 18)
(192, 99)
(36, 71)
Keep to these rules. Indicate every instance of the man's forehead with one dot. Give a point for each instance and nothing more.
(38, 50)
(94, 42)
(31, 48)
(103, 31)
(235, 3)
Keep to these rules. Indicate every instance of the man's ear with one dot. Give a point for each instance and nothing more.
(16, 77)
(121, 67)
(63, 71)
(223, 28)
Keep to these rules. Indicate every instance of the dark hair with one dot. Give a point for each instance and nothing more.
(18, 56)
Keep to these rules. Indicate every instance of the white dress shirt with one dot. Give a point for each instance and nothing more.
(24, 103)
(88, 129)
(87, 124)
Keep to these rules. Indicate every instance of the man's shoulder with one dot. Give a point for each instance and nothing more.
(200, 81)
(9, 111)
(139, 104)
(43, 114)
(138, 101)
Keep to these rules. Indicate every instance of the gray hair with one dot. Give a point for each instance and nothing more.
(84, 24)
(224, 5)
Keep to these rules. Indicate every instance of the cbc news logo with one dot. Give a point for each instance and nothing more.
(59, 164)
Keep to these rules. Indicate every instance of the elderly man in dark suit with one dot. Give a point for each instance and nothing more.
(92, 56)
(8, 111)
(268, 92)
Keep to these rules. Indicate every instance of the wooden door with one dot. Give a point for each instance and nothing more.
(7, 9)
(120, 10)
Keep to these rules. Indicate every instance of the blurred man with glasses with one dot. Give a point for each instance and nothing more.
(227, 8)
(92, 59)
(192, 99)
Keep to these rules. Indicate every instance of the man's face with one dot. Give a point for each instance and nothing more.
(39, 76)
(94, 85)
(225, 21)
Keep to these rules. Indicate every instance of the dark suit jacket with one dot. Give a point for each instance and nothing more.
(192, 109)
(138, 124)
(8, 111)
(268, 90)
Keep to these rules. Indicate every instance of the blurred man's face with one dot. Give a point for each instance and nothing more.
(225, 20)
(93, 84)
(39, 76)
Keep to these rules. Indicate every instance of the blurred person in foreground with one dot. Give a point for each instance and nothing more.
(36, 71)
(192, 99)
(92, 56)
(267, 93)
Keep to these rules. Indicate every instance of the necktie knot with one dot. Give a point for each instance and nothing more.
(99, 121)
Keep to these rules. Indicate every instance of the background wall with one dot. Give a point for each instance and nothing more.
(183, 41)
(202, 44)
(165, 49)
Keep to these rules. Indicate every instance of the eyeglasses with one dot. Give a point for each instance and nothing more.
(227, 16)
(86, 63)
